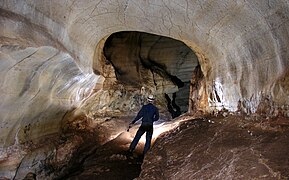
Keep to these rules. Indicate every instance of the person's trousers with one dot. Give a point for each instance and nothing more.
(149, 134)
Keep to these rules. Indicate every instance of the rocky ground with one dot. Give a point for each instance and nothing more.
(102, 153)
(230, 147)
(109, 161)
(233, 147)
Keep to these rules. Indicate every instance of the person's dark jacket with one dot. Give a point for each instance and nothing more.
(149, 113)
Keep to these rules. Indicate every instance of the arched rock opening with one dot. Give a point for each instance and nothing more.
(159, 63)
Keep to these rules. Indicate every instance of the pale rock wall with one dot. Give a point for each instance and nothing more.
(39, 83)
(240, 44)
(38, 86)
(50, 48)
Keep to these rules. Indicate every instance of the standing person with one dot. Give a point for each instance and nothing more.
(149, 113)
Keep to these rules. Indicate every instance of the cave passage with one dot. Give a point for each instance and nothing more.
(141, 59)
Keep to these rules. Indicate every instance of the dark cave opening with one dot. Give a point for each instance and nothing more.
(145, 60)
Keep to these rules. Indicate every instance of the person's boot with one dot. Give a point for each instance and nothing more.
(129, 154)
(140, 158)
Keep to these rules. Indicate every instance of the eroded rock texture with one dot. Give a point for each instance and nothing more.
(35, 91)
(158, 63)
(241, 45)
(226, 148)
(51, 51)
(38, 87)
(223, 40)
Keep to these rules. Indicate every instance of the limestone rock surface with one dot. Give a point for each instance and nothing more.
(39, 85)
(240, 45)
(52, 60)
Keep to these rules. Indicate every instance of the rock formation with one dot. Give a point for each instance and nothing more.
(77, 63)
(157, 63)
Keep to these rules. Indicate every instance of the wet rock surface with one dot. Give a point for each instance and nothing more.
(221, 148)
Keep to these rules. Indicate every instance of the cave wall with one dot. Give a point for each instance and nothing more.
(134, 54)
(35, 91)
(241, 45)
(158, 63)
(40, 82)
(50, 50)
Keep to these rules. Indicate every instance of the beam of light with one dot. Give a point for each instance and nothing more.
(160, 127)
(124, 137)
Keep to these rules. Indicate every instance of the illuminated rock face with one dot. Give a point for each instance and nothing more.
(241, 45)
(50, 49)
(38, 87)
(36, 92)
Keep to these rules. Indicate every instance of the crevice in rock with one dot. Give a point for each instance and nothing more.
(18, 168)
(30, 55)
(173, 108)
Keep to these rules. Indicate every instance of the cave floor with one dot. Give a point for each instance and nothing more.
(237, 147)
(109, 161)
(231, 147)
